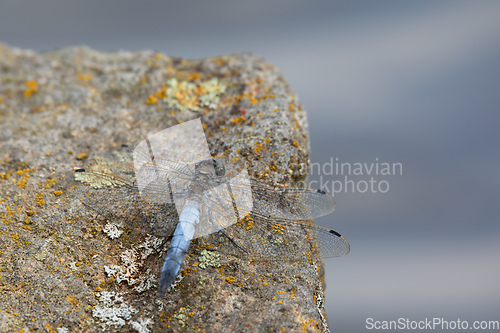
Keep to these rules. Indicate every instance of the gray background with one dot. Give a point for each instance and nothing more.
(415, 83)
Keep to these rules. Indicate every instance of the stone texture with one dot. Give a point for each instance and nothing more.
(61, 267)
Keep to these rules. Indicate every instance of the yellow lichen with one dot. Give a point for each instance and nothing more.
(39, 199)
(246, 223)
(81, 156)
(84, 77)
(32, 88)
(22, 183)
(152, 100)
(278, 228)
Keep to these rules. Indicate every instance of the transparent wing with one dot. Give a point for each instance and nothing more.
(274, 227)
(290, 203)
(270, 218)
(107, 185)
(278, 201)
(276, 239)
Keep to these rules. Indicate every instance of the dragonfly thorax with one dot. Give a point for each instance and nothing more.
(208, 174)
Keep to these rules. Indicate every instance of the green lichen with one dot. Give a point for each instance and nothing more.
(183, 315)
(213, 89)
(278, 241)
(185, 95)
(208, 258)
(40, 256)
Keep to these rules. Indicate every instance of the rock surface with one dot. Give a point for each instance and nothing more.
(63, 269)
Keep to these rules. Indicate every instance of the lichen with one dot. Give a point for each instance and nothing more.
(186, 95)
(112, 310)
(183, 315)
(111, 229)
(32, 87)
(40, 256)
(208, 258)
(132, 261)
(141, 326)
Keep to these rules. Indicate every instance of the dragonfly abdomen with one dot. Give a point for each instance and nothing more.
(183, 234)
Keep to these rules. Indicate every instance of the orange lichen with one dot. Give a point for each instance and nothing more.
(258, 147)
(278, 228)
(194, 76)
(246, 223)
(152, 100)
(84, 77)
(32, 88)
(238, 119)
(161, 94)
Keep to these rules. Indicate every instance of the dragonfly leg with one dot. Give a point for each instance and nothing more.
(232, 241)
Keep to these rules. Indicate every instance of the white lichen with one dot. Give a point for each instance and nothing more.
(132, 260)
(150, 245)
(117, 272)
(112, 310)
(111, 229)
(175, 283)
(141, 325)
(129, 260)
(146, 282)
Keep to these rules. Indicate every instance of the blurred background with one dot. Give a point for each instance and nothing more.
(409, 82)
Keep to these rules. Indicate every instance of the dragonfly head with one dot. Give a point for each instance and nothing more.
(211, 167)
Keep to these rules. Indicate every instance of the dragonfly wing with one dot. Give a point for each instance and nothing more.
(119, 200)
(277, 240)
(331, 243)
(225, 203)
(290, 203)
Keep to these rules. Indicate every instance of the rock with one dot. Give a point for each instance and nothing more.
(59, 268)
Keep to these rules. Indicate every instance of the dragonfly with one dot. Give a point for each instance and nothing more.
(168, 188)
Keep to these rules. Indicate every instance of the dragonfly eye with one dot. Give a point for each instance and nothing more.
(211, 167)
(220, 169)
